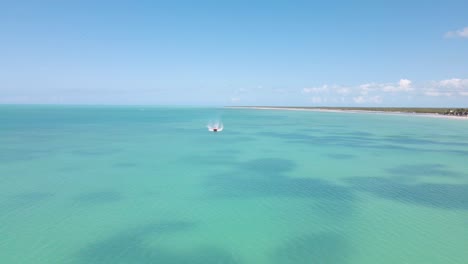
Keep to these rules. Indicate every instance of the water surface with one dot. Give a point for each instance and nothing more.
(152, 185)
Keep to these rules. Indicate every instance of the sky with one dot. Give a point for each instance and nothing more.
(216, 53)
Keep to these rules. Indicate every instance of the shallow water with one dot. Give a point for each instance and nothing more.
(152, 185)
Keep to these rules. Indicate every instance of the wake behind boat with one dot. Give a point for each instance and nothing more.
(216, 127)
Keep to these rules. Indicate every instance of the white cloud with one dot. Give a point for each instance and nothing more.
(328, 89)
(360, 94)
(317, 99)
(389, 88)
(375, 93)
(404, 85)
(366, 88)
(461, 33)
(448, 87)
(323, 88)
(367, 99)
(343, 90)
(235, 99)
(454, 83)
(359, 99)
(437, 93)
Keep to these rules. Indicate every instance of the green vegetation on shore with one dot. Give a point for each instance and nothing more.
(385, 109)
(418, 110)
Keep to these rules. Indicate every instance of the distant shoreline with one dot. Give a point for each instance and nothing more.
(421, 112)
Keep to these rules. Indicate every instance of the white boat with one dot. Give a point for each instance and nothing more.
(216, 127)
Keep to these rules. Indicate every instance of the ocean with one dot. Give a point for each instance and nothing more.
(139, 184)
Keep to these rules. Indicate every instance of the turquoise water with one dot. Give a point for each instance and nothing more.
(152, 185)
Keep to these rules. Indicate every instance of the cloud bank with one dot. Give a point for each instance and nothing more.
(449, 87)
(377, 93)
(461, 33)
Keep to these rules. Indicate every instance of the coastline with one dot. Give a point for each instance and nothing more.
(350, 111)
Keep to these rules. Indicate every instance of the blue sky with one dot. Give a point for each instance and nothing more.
(308, 53)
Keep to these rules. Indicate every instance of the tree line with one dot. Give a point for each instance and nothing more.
(457, 112)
